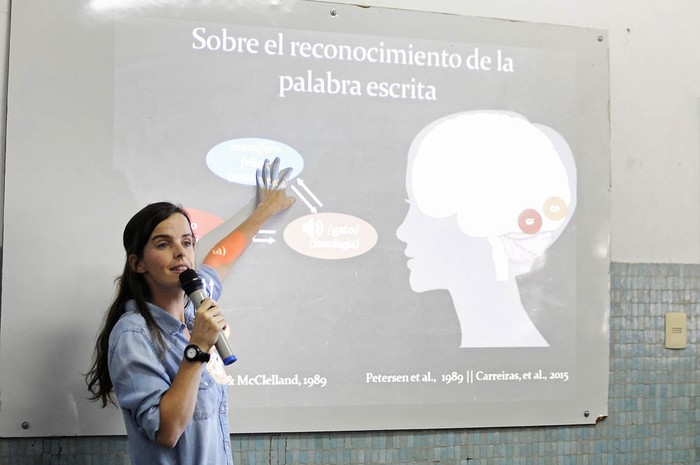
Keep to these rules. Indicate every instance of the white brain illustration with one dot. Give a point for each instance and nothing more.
(503, 178)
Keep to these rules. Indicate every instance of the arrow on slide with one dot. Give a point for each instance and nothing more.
(308, 191)
(269, 240)
(311, 207)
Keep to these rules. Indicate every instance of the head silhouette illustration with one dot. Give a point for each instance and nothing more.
(488, 193)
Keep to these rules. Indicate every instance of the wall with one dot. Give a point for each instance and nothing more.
(654, 413)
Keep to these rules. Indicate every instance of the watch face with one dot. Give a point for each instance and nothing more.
(191, 353)
(195, 354)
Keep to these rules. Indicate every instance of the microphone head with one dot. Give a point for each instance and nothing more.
(190, 281)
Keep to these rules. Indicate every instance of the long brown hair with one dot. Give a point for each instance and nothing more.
(130, 285)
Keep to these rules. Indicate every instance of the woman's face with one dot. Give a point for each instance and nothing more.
(168, 252)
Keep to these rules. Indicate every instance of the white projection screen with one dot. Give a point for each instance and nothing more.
(445, 264)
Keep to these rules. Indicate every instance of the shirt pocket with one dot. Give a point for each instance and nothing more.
(207, 398)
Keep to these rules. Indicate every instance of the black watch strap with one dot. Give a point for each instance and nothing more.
(194, 354)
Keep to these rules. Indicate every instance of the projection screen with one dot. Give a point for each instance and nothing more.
(445, 264)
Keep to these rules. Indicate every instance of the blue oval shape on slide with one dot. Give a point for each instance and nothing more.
(236, 160)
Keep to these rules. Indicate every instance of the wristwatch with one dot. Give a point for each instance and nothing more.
(195, 354)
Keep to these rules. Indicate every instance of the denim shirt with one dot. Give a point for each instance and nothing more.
(141, 376)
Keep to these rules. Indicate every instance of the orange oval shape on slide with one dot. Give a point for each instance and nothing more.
(330, 236)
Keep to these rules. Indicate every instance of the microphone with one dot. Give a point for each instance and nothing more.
(193, 286)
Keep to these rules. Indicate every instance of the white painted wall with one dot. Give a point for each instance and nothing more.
(654, 110)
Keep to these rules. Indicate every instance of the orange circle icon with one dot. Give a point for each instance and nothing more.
(554, 208)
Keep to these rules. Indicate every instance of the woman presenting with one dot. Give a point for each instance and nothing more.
(151, 351)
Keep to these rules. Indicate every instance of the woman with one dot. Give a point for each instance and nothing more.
(152, 351)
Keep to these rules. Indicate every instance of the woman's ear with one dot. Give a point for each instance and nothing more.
(135, 264)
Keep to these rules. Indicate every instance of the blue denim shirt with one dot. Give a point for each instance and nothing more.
(141, 376)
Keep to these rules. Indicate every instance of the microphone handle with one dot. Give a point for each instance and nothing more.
(222, 347)
(224, 350)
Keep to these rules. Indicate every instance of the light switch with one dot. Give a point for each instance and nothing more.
(675, 330)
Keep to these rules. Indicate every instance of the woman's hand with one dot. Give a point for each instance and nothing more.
(208, 323)
(272, 187)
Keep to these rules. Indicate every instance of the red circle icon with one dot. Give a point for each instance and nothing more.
(530, 221)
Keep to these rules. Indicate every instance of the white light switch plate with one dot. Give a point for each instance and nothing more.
(675, 330)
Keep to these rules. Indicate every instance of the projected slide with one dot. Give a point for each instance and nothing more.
(430, 220)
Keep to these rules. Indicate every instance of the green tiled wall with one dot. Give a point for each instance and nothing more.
(654, 413)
